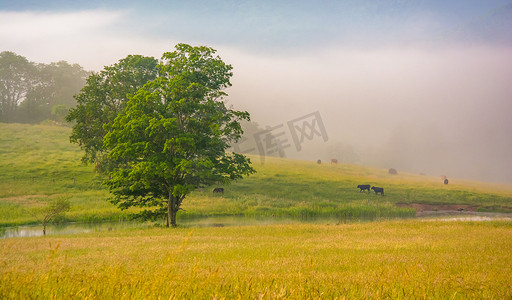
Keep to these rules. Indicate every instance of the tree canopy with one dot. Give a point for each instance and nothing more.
(29, 92)
(16, 74)
(105, 96)
(172, 136)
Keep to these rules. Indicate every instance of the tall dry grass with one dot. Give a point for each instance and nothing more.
(392, 259)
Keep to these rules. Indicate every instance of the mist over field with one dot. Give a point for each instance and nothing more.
(443, 111)
(423, 87)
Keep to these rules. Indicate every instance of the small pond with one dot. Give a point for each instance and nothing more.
(75, 228)
(67, 228)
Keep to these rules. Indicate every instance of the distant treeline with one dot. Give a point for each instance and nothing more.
(33, 92)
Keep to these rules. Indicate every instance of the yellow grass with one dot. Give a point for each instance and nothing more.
(392, 259)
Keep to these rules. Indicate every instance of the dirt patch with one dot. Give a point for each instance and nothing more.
(439, 209)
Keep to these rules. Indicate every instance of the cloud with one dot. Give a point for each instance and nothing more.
(92, 38)
(41, 26)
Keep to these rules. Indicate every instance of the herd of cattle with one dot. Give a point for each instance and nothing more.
(361, 187)
(364, 187)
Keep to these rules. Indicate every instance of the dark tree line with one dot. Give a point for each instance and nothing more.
(32, 92)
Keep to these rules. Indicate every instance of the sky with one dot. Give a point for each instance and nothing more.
(420, 86)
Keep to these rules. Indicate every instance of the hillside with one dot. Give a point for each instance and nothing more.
(39, 164)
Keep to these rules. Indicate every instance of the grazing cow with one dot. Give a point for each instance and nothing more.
(218, 190)
(378, 190)
(334, 161)
(392, 171)
(443, 177)
(319, 162)
(363, 187)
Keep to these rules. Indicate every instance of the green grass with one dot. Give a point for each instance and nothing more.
(38, 164)
(387, 259)
(405, 259)
(303, 190)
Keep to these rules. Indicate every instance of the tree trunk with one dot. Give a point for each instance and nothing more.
(169, 208)
(173, 211)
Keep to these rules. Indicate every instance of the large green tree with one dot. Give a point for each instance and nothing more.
(105, 96)
(173, 135)
(53, 89)
(30, 92)
(17, 75)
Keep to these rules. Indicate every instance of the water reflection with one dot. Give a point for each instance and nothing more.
(75, 228)
(68, 228)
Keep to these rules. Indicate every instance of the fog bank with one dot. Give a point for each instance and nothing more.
(437, 110)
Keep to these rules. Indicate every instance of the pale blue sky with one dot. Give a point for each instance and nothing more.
(278, 27)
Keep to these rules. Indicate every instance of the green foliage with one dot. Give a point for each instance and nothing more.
(16, 75)
(102, 99)
(173, 135)
(54, 210)
(59, 112)
(29, 91)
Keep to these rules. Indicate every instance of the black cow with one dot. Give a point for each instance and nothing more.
(218, 190)
(378, 190)
(363, 187)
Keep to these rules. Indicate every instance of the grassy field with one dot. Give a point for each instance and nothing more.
(386, 259)
(340, 258)
(39, 164)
